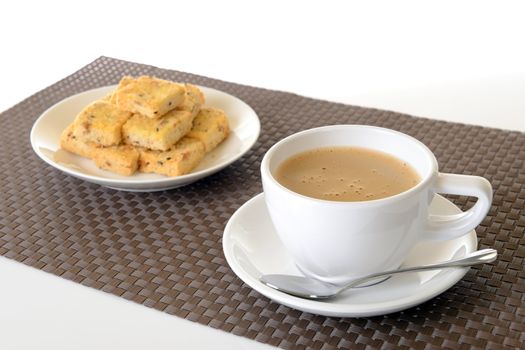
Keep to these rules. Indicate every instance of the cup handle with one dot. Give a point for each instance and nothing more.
(443, 227)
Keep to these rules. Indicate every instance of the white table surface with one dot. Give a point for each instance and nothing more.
(446, 60)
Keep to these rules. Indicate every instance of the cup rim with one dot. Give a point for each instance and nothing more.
(266, 173)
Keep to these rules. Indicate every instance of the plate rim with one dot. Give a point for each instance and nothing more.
(141, 185)
(325, 308)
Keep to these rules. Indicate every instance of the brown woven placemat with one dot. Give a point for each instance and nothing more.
(163, 249)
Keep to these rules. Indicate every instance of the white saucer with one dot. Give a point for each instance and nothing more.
(45, 135)
(252, 248)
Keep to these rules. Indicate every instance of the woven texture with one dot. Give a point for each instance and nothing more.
(163, 249)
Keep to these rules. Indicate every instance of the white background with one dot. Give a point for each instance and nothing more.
(454, 60)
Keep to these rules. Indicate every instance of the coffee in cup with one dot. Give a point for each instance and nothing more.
(346, 174)
(334, 240)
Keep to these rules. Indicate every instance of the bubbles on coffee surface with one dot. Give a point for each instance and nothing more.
(346, 174)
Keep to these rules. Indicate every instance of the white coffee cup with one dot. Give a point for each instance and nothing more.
(334, 241)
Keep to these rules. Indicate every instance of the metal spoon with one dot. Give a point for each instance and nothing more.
(310, 288)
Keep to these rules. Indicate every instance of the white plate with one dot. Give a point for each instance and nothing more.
(252, 248)
(45, 136)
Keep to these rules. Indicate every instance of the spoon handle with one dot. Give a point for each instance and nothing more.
(474, 258)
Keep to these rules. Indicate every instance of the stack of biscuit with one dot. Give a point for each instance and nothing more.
(149, 125)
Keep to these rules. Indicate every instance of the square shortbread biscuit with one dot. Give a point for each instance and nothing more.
(71, 143)
(112, 96)
(210, 126)
(193, 100)
(122, 159)
(148, 96)
(100, 122)
(183, 157)
(157, 134)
